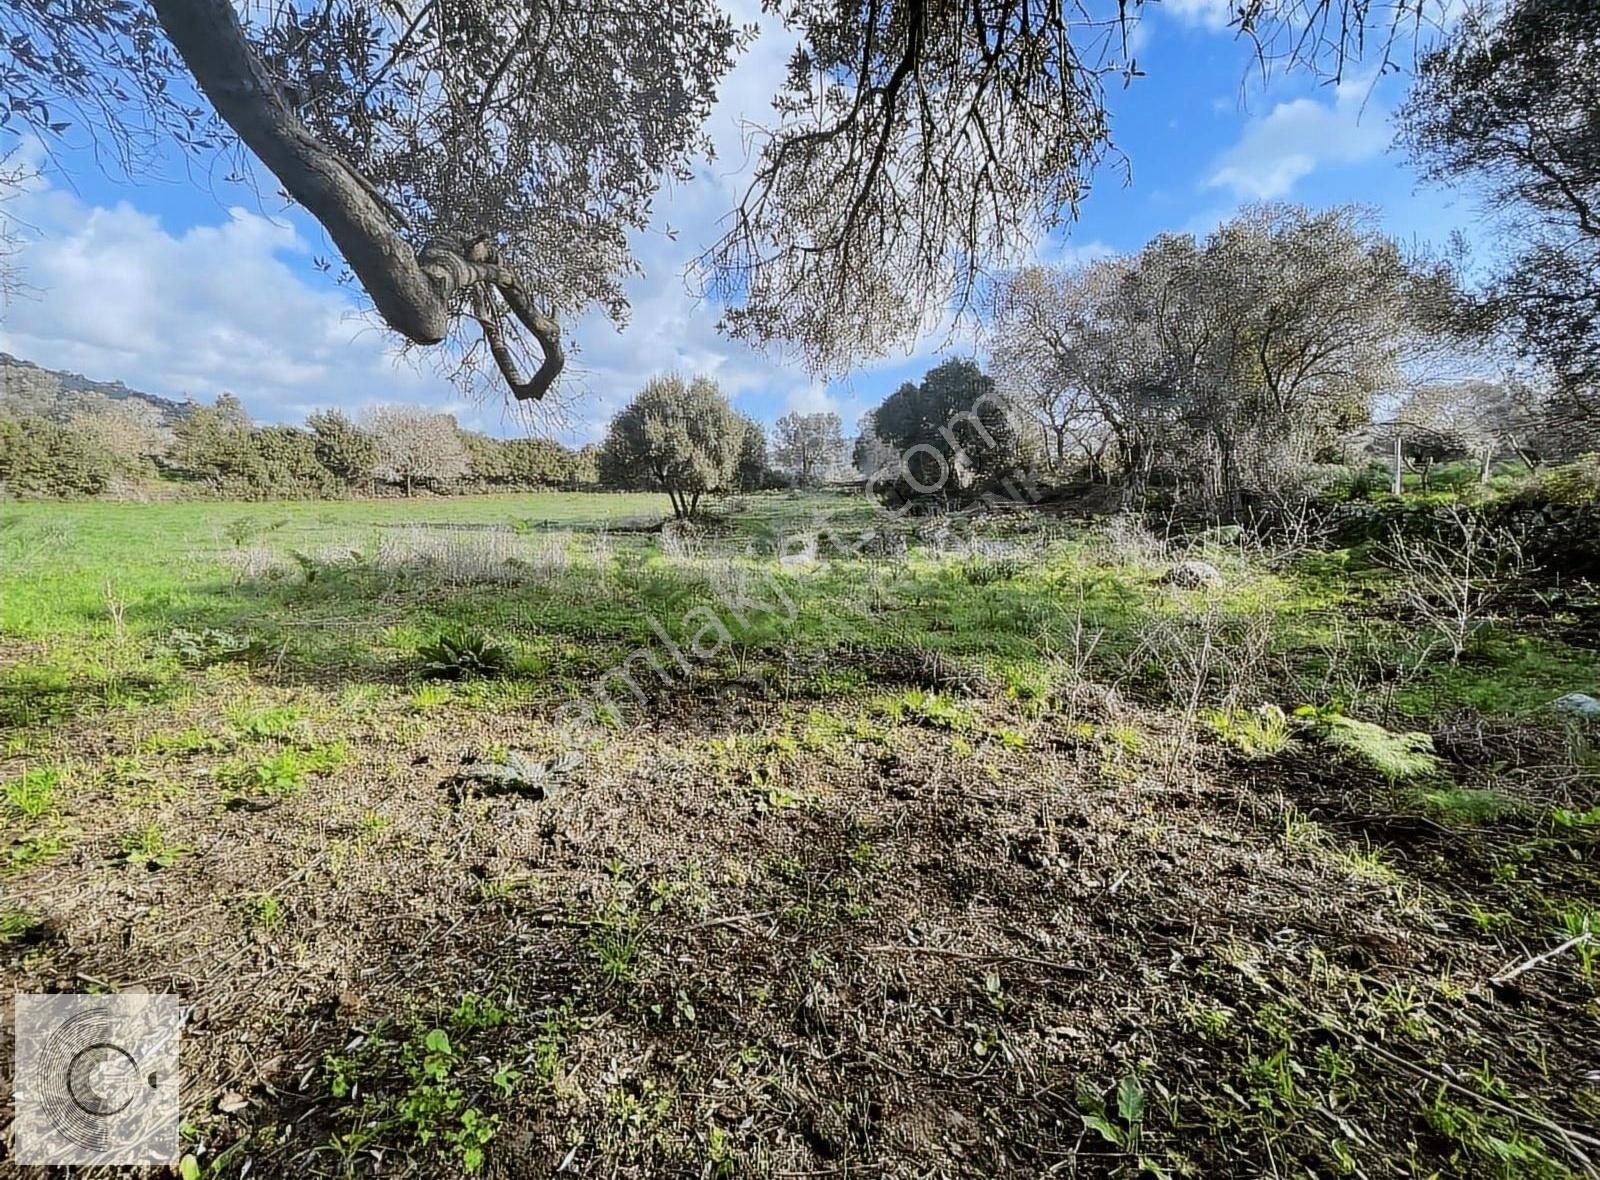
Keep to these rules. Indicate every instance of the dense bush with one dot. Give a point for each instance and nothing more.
(1572, 485)
(43, 458)
(679, 436)
(216, 451)
(953, 434)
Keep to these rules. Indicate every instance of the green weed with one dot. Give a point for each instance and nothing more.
(152, 848)
(458, 655)
(34, 794)
(1255, 733)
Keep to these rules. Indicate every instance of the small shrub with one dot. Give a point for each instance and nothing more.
(1452, 580)
(461, 654)
(1396, 756)
(1572, 485)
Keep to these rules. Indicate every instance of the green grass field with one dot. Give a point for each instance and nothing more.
(809, 842)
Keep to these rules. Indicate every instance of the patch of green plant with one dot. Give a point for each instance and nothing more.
(15, 925)
(1493, 1143)
(553, 1033)
(282, 773)
(457, 655)
(927, 708)
(1465, 805)
(617, 942)
(476, 1012)
(1582, 925)
(1256, 733)
(34, 794)
(1563, 818)
(1396, 756)
(212, 645)
(985, 571)
(36, 850)
(274, 723)
(152, 848)
(425, 1087)
(191, 740)
(1122, 1125)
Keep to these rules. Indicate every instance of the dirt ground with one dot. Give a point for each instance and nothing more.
(752, 937)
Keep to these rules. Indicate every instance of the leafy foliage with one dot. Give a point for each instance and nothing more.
(457, 655)
(1510, 103)
(954, 434)
(680, 436)
(809, 445)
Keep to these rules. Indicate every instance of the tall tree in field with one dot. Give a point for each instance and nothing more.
(480, 166)
(415, 446)
(1512, 105)
(869, 454)
(951, 430)
(679, 436)
(1228, 361)
(808, 445)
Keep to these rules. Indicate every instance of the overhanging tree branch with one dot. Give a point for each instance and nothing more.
(416, 294)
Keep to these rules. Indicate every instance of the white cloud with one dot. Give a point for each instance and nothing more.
(234, 305)
(1207, 14)
(212, 308)
(1297, 137)
(1066, 252)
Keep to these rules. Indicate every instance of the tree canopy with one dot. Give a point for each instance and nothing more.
(951, 432)
(1221, 362)
(679, 436)
(1512, 104)
(482, 164)
(809, 445)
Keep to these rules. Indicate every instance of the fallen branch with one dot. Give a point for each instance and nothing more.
(1510, 973)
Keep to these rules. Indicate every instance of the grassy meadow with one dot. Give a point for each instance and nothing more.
(810, 842)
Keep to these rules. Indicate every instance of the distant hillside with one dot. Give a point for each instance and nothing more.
(27, 389)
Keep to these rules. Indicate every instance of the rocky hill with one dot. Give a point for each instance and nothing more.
(27, 389)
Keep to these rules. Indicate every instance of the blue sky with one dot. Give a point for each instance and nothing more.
(184, 284)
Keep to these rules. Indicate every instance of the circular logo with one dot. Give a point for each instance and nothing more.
(89, 1079)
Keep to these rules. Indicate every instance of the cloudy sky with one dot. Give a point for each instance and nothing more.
(186, 285)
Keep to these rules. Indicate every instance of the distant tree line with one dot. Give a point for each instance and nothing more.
(120, 447)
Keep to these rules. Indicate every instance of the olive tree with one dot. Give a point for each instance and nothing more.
(678, 436)
(808, 445)
(1225, 361)
(346, 450)
(952, 431)
(480, 166)
(1511, 104)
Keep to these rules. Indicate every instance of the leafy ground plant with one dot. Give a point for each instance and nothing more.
(458, 655)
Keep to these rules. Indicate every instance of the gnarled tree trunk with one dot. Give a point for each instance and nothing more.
(414, 293)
